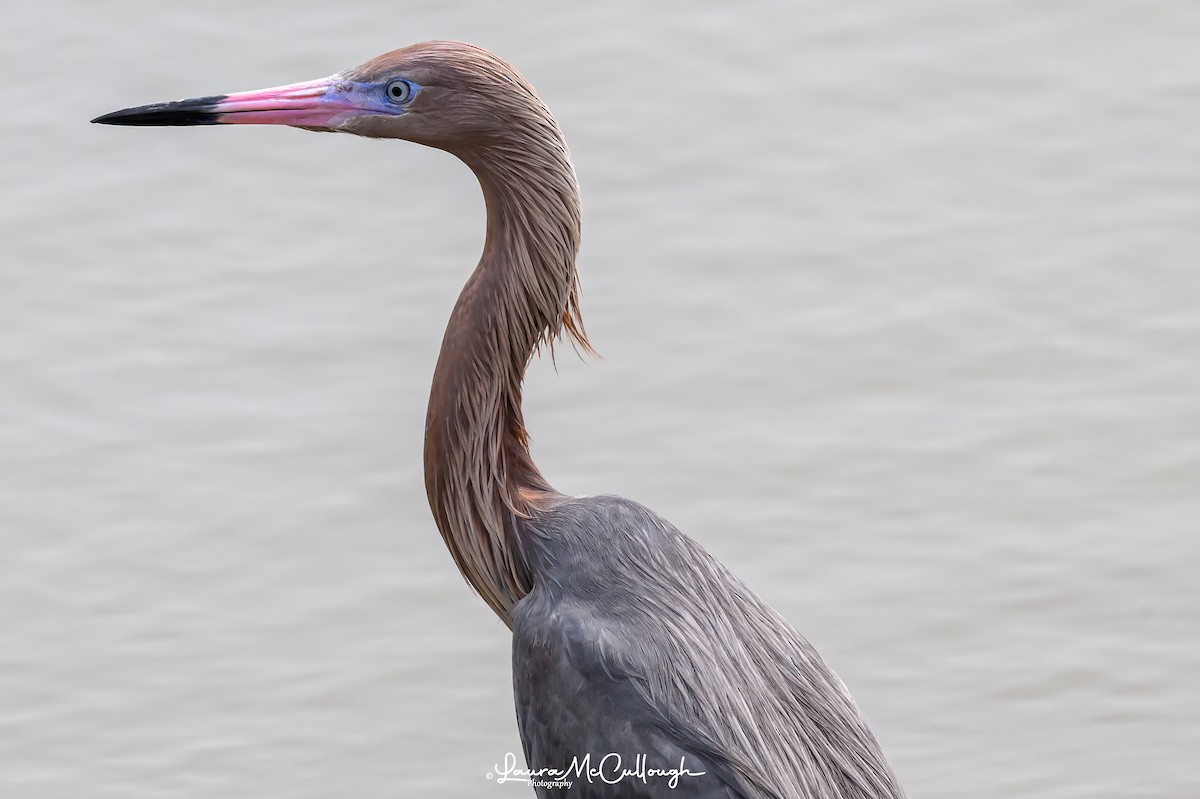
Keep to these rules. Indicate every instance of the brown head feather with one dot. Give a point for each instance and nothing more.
(479, 474)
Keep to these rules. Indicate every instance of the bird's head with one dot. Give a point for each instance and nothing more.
(450, 95)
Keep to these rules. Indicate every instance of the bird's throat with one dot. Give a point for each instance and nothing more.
(479, 475)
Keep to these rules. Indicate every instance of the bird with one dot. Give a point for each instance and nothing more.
(642, 667)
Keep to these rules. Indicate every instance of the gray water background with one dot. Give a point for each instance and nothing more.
(898, 309)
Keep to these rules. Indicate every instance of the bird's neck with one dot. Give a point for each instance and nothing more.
(479, 475)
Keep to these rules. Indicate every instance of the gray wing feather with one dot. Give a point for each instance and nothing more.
(576, 703)
(634, 636)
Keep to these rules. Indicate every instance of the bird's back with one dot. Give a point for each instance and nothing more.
(636, 641)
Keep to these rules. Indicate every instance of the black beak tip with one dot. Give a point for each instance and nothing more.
(108, 119)
(199, 111)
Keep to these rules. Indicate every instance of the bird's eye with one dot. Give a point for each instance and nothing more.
(399, 91)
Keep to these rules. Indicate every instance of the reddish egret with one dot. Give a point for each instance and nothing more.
(633, 648)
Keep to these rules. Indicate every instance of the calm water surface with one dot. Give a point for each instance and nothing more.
(898, 309)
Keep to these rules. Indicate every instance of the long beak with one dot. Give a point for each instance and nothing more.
(318, 104)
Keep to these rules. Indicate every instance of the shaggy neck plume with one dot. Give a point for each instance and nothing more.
(479, 475)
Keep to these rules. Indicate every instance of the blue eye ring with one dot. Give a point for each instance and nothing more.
(398, 91)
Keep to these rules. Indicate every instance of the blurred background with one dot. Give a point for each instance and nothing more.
(898, 310)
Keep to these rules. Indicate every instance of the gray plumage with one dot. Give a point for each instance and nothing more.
(635, 640)
(629, 639)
